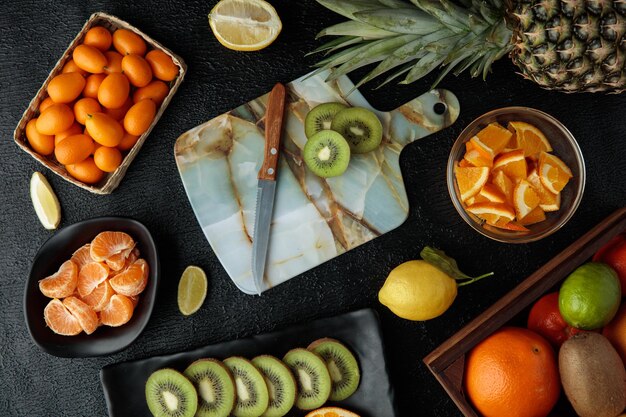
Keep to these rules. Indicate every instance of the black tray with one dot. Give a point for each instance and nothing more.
(124, 383)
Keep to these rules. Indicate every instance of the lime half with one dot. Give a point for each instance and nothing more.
(45, 201)
(191, 290)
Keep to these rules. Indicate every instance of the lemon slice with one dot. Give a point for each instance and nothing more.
(191, 290)
(45, 201)
(245, 25)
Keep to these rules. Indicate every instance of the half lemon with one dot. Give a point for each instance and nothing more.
(245, 25)
(45, 201)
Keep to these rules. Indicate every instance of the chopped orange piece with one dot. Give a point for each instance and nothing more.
(525, 199)
(535, 216)
(530, 139)
(513, 164)
(553, 172)
(485, 151)
(514, 226)
(494, 137)
(492, 212)
(491, 193)
(504, 184)
(471, 180)
(477, 159)
(548, 201)
(464, 163)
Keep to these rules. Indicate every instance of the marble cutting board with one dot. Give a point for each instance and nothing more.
(314, 219)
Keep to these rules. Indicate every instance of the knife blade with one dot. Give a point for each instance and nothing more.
(266, 188)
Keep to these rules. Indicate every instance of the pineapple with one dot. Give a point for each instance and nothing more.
(565, 45)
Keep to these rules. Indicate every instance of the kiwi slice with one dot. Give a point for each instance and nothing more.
(170, 394)
(360, 127)
(327, 154)
(252, 395)
(281, 385)
(215, 386)
(320, 117)
(314, 382)
(342, 366)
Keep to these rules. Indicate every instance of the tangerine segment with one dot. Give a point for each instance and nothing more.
(100, 296)
(133, 280)
(525, 199)
(471, 180)
(62, 283)
(90, 276)
(60, 320)
(535, 216)
(85, 315)
(117, 312)
(107, 244)
(530, 139)
(118, 261)
(513, 164)
(504, 184)
(553, 172)
(547, 201)
(494, 137)
(82, 256)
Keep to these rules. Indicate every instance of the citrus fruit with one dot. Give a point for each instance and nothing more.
(128, 141)
(55, 119)
(113, 90)
(98, 37)
(615, 331)
(525, 199)
(512, 373)
(475, 158)
(74, 149)
(90, 276)
(505, 185)
(82, 256)
(85, 106)
(100, 296)
(107, 244)
(64, 88)
(545, 319)
(553, 172)
(133, 280)
(192, 290)
(156, 91)
(245, 25)
(62, 283)
(60, 320)
(530, 139)
(614, 254)
(512, 163)
(417, 290)
(493, 213)
(331, 412)
(590, 296)
(535, 216)
(107, 159)
(85, 315)
(74, 129)
(45, 201)
(162, 65)
(119, 261)
(128, 42)
(114, 62)
(85, 171)
(89, 58)
(92, 84)
(492, 193)
(118, 311)
(137, 70)
(493, 138)
(70, 66)
(139, 117)
(548, 201)
(471, 180)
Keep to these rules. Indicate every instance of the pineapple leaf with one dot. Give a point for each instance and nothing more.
(395, 75)
(394, 4)
(354, 28)
(335, 43)
(429, 62)
(341, 57)
(411, 21)
(347, 8)
(436, 10)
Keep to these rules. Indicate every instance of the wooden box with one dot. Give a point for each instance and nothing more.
(111, 180)
(447, 362)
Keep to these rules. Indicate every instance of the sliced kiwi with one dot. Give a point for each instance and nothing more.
(342, 366)
(281, 385)
(215, 386)
(327, 154)
(320, 117)
(314, 382)
(170, 394)
(360, 127)
(252, 394)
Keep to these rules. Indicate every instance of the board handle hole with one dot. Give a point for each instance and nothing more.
(440, 108)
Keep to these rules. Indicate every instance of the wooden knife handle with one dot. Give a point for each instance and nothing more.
(273, 131)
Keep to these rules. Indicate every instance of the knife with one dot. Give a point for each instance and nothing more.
(266, 188)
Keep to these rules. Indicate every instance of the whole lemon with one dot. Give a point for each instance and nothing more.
(417, 290)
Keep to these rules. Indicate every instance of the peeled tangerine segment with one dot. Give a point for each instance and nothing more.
(82, 256)
(117, 312)
(471, 180)
(90, 276)
(85, 315)
(107, 244)
(60, 320)
(553, 172)
(133, 280)
(525, 198)
(100, 296)
(62, 283)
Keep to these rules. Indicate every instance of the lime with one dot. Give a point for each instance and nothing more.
(45, 201)
(191, 290)
(417, 290)
(590, 296)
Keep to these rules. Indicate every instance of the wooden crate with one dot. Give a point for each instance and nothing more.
(112, 180)
(447, 362)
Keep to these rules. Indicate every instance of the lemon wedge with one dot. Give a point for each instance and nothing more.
(245, 25)
(45, 201)
(191, 290)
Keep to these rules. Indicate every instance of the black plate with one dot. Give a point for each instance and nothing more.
(360, 330)
(58, 249)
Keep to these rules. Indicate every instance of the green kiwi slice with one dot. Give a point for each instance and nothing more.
(170, 394)
(215, 386)
(360, 127)
(313, 379)
(281, 385)
(342, 366)
(252, 394)
(320, 117)
(327, 154)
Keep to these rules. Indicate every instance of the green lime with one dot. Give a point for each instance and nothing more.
(191, 290)
(590, 296)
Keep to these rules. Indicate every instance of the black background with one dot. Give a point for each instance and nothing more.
(33, 35)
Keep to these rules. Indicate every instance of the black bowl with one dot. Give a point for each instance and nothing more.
(58, 249)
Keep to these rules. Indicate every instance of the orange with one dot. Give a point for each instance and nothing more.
(139, 117)
(55, 119)
(553, 172)
(133, 280)
(535, 216)
(493, 213)
(114, 62)
(162, 65)
(64, 88)
(85, 315)
(547, 201)
(546, 319)
(98, 37)
(90, 276)
(464, 163)
(60, 320)
(47, 102)
(119, 113)
(118, 311)
(113, 90)
(471, 180)
(100, 296)
(73, 149)
(92, 84)
(493, 137)
(89, 59)
(137, 70)
(107, 244)
(85, 171)
(331, 412)
(107, 159)
(70, 66)
(156, 91)
(74, 129)
(82, 256)
(615, 331)
(42, 144)
(128, 141)
(504, 185)
(512, 163)
(525, 199)
(62, 283)
(85, 106)
(476, 158)
(104, 129)
(491, 193)
(530, 139)
(512, 373)
(128, 42)
(135, 300)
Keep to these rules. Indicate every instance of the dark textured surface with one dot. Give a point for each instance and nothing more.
(34, 34)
